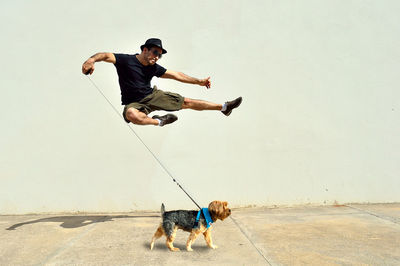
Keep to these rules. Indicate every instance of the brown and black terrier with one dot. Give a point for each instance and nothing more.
(195, 222)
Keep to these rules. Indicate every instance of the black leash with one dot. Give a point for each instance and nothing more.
(155, 157)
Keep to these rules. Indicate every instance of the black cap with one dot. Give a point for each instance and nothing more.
(153, 42)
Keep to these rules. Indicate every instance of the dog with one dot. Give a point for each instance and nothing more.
(195, 222)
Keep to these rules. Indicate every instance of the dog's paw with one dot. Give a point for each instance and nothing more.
(189, 249)
(214, 246)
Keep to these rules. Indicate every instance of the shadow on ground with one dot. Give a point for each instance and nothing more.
(161, 246)
(79, 221)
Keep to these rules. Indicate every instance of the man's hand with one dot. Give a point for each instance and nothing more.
(88, 66)
(205, 82)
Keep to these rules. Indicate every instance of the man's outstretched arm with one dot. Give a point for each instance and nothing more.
(179, 76)
(88, 65)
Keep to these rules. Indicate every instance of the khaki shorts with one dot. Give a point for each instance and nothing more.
(157, 100)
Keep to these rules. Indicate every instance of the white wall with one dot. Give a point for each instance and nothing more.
(319, 122)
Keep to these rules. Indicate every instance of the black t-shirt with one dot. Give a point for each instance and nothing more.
(134, 78)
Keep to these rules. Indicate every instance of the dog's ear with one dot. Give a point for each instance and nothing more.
(225, 203)
(215, 208)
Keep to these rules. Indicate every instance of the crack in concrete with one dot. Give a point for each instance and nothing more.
(67, 245)
(374, 214)
(248, 238)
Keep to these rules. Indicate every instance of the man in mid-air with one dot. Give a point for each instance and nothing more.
(135, 73)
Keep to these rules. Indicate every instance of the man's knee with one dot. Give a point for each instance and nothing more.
(187, 102)
(133, 115)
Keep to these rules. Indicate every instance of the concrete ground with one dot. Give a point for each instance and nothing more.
(341, 235)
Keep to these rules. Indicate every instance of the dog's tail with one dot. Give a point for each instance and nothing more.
(162, 209)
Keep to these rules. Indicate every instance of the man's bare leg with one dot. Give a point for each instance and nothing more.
(200, 105)
(139, 118)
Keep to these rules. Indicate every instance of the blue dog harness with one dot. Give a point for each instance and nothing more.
(206, 215)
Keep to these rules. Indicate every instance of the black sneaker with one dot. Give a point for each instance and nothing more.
(166, 119)
(232, 105)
